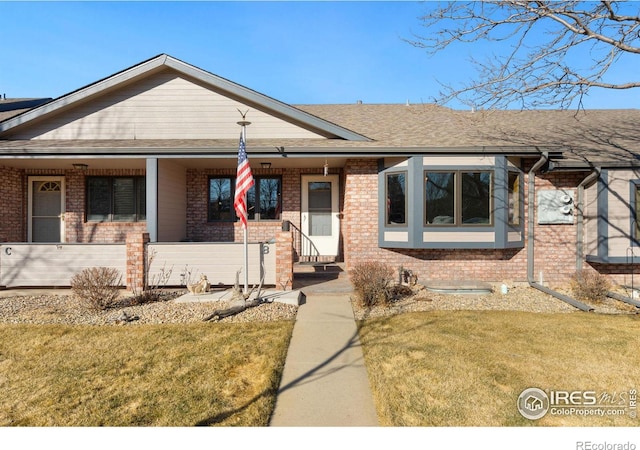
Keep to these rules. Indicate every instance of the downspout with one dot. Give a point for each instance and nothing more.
(530, 239)
(623, 299)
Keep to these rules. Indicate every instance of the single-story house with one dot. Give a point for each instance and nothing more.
(141, 165)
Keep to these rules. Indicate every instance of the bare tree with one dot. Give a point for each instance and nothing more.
(556, 50)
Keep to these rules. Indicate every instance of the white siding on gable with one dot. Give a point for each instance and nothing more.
(163, 106)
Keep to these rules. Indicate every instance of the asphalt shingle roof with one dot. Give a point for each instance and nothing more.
(591, 137)
(10, 107)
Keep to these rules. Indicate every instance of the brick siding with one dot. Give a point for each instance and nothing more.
(284, 260)
(12, 205)
(555, 245)
(136, 261)
(76, 229)
(199, 229)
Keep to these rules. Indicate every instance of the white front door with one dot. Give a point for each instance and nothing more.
(320, 215)
(46, 209)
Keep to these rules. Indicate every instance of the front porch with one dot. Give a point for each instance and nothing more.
(185, 232)
(143, 264)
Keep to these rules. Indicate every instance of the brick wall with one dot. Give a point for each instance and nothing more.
(200, 229)
(554, 244)
(76, 229)
(360, 214)
(136, 261)
(622, 274)
(12, 205)
(284, 260)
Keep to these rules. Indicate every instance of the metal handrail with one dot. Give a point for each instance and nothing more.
(303, 247)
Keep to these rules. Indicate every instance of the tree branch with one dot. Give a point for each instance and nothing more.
(544, 62)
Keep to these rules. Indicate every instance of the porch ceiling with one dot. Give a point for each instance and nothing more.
(66, 163)
(256, 162)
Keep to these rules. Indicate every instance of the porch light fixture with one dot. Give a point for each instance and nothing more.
(265, 165)
(80, 166)
(326, 168)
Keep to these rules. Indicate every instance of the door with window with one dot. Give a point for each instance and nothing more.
(320, 215)
(46, 209)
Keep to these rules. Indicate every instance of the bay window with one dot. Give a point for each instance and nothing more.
(456, 198)
(396, 198)
(513, 198)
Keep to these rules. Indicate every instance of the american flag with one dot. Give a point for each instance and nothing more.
(244, 181)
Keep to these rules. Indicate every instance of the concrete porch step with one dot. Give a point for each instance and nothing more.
(318, 267)
(316, 259)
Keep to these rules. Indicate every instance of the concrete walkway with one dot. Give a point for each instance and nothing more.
(325, 381)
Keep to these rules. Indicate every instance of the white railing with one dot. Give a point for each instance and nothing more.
(32, 265)
(170, 264)
(182, 263)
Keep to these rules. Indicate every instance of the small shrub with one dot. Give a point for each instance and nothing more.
(372, 281)
(155, 285)
(590, 287)
(400, 291)
(98, 287)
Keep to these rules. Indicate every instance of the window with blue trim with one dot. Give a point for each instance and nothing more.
(513, 197)
(396, 199)
(458, 198)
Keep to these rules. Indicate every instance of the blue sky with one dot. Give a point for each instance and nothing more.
(295, 51)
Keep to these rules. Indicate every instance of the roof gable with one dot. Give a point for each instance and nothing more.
(167, 98)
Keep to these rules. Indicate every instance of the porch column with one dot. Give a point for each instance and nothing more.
(137, 261)
(152, 198)
(284, 260)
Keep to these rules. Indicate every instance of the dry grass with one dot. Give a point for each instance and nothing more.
(150, 375)
(467, 368)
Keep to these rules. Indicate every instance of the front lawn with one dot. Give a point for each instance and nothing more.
(467, 368)
(146, 375)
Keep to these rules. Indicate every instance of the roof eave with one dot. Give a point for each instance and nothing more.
(581, 166)
(365, 151)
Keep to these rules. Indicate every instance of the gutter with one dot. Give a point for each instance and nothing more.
(530, 240)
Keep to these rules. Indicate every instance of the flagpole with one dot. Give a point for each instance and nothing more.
(243, 124)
